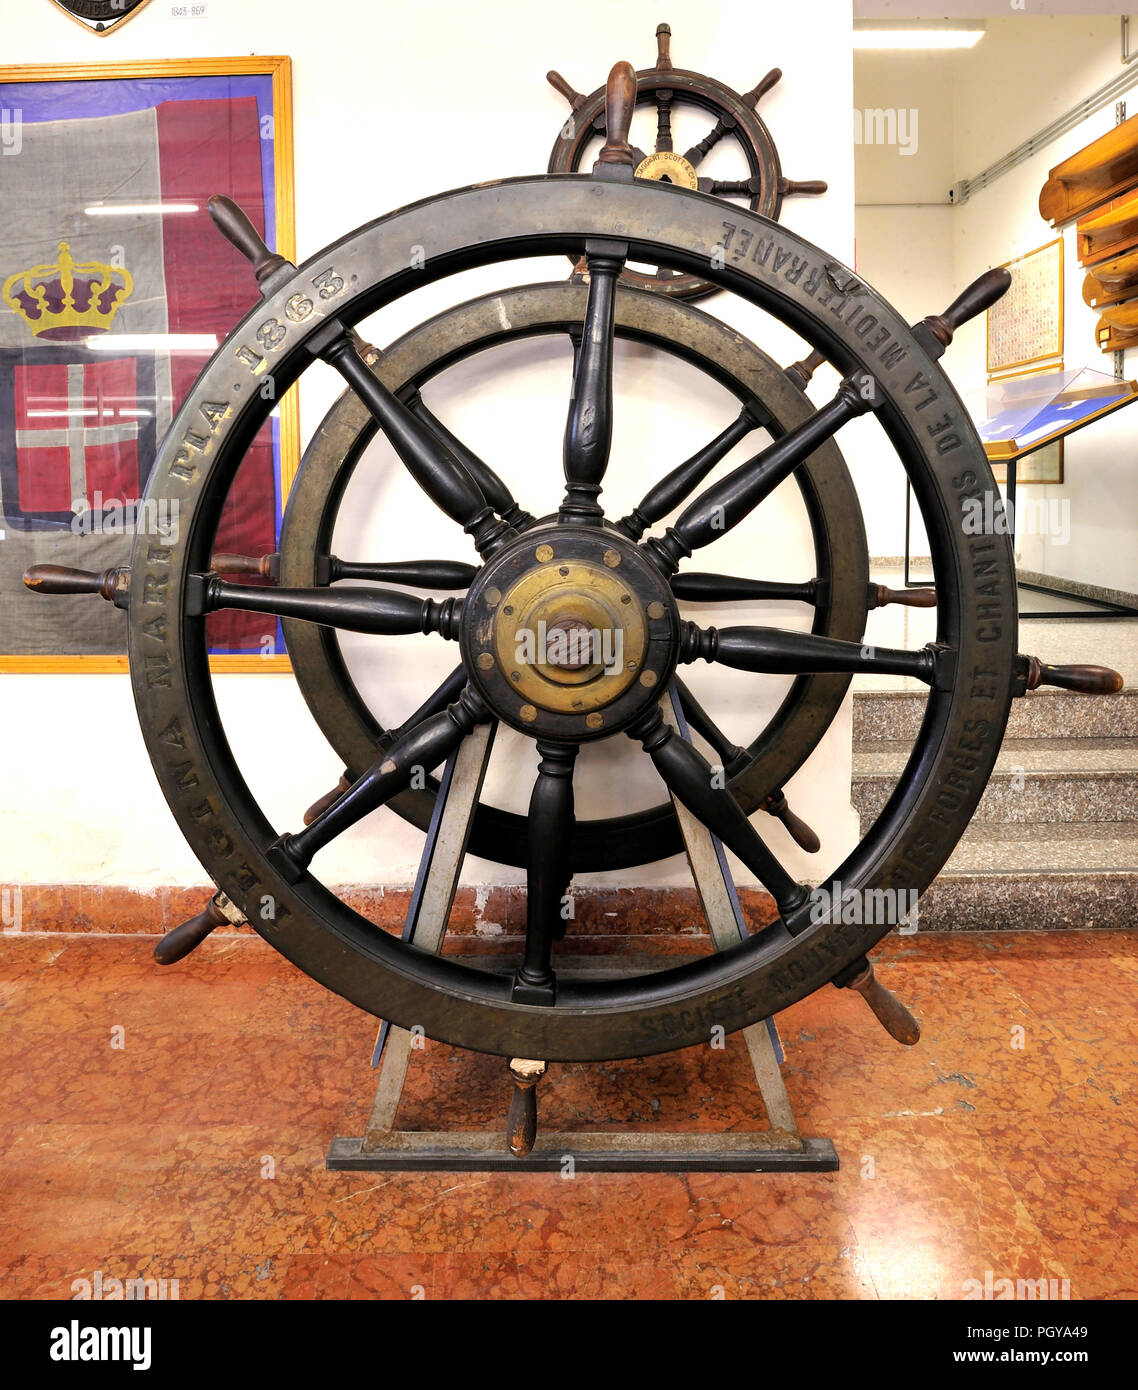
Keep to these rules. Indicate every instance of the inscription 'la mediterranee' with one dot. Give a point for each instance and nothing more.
(835, 289)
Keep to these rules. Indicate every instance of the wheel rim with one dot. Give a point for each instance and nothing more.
(780, 749)
(960, 734)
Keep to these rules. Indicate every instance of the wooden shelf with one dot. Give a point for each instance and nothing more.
(1102, 169)
(1112, 281)
(1109, 232)
(1118, 327)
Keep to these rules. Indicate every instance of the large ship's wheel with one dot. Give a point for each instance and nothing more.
(580, 575)
(837, 589)
(667, 90)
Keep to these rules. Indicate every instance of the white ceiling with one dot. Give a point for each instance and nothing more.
(981, 9)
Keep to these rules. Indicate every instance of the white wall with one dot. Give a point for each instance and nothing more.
(1026, 70)
(1101, 463)
(904, 239)
(394, 104)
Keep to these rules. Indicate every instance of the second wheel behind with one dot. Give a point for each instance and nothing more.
(769, 399)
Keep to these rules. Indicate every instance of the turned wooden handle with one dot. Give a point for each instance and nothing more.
(799, 831)
(263, 565)
(802, 372)
(663, 48)
(59, 579)
(763, 86)
(881, 594)
(791, 187)
(893, 1016)
(620, 102)
(181, 940)
(571, 95)
(319, 807)
(1086, 679)
(521, 1123)
(234, 224)
(981, 294)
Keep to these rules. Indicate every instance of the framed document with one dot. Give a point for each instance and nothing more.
(1041, 466)
(115, 290)
(1026, 324)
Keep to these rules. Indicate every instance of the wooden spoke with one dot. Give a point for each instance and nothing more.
(729, 754)
(710, 140)
(422, 748)
(762, 87)
(724, 588)
(549, 831)
(383, 611)
(264, 566)
(679, 484)
(430, 462)
(493, 488)
(423, 574)
(691, 780)
(663, 121)
(880, 595)
(729, 501)
(745, 188)
(435, 703)
(775, 652)
(588, 432)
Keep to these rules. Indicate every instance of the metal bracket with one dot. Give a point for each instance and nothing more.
(781, 1148)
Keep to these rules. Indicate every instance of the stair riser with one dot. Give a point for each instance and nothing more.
(1030, 902)
(881, 717)
(1098, 796)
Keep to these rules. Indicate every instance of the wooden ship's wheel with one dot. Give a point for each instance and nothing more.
(666, 90)
(580, 574)
(837, 592)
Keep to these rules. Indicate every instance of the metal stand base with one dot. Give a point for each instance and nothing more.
(383, 1148)
(440, 1151)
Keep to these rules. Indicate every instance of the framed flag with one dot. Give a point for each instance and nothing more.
(115, 290)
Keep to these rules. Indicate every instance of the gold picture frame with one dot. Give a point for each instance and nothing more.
(1040, 467)
(1026, 324)
(271, 77)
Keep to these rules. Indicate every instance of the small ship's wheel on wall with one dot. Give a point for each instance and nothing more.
(666, 90)
(836, 590)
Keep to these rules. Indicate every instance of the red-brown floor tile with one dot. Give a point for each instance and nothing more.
(197, 1146)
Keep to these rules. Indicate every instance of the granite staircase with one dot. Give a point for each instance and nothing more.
(1054, 842)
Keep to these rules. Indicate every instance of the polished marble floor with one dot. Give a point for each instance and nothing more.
(172, 1124)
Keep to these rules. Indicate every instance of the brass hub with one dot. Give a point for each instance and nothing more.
(570, 637)
(665, 166)
(570, 632)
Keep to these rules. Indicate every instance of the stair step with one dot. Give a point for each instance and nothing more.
(1046, 847)
(1037, 877)
(1034, 780)
(888, 715)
